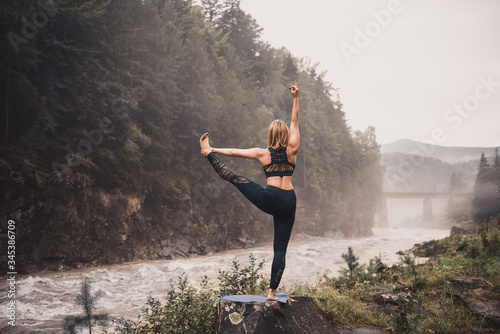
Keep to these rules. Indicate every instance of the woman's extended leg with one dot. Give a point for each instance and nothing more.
(219, 166)
(224, 172)
(253, 191)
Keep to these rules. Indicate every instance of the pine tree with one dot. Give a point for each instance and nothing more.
(87, 301)
(351, 260)
(496, 159)
(483, 166)
(485, 203)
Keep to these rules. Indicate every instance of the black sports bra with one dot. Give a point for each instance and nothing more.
(279, 165)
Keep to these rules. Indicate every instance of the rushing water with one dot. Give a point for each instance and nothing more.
(45, 298)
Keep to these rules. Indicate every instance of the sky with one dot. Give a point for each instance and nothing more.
(427, 70)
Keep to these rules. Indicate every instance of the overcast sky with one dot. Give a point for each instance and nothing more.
(426, 70)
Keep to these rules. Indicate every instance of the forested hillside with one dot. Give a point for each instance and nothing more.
(102, 107)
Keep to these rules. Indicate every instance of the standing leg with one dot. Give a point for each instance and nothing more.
(282, 231)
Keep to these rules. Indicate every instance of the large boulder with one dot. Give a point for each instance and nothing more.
(462, 228)
(469, 283)
(299, 315)
(482, 302)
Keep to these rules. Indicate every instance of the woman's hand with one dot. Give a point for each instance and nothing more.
(294, 90)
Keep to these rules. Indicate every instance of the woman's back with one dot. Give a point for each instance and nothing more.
(278, 166)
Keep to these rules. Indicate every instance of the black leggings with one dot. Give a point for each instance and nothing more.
(277, 202)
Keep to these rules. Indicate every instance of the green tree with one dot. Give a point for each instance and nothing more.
(87, 301)
(483, 165)
(485, 201)
(496, 159)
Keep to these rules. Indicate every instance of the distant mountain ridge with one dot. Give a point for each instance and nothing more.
(443, 153)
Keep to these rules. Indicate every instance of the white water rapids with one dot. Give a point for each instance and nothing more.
(45, 298)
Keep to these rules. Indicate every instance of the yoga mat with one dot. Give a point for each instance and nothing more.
(254, 299)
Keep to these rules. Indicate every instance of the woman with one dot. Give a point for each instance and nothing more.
(278, 197)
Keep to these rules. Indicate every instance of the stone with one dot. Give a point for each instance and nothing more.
(462, 228)
(488, 310)
(361, 330)
(299, 315)
(475, 330)
(429, 249)
(384, 288)
(469, 283)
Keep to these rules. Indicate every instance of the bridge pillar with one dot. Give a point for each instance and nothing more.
(428, 215)
(382, 217)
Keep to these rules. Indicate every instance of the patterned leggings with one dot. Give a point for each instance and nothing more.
(277, 202)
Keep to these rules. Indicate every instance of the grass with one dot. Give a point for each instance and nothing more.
(424, 303)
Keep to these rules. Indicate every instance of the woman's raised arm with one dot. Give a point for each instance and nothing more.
(294, 140)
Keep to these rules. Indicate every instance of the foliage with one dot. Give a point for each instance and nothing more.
(357, 273)
(87, 301)
(486, 198)
(188, 310)
(423, 301)
(242, 280)
(347, 311)
(185, 310)
(405, 318)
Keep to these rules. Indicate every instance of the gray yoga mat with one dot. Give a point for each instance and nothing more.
(254, 299)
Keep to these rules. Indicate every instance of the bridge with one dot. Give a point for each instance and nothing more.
(383, 219)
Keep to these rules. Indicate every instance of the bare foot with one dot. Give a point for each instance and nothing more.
(271, 296)
(205, 146)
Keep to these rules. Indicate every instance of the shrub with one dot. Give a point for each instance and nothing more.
(242, 280)
(185, 310)
(188, 310)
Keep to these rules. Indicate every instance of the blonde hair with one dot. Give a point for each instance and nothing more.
(277, 134)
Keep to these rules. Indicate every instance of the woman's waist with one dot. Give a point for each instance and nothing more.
(280, 182)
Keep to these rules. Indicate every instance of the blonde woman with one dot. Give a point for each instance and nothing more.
(278, 197)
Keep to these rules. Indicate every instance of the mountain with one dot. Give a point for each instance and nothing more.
(443, 153)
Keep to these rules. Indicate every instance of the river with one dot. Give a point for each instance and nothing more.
(45, 298)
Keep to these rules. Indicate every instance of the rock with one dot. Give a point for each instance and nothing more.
(299, 315)
(385, 288)
(462, 228)
(429, 249)
(361, 330)
(475, 330)
(469, 283)
(489, 310)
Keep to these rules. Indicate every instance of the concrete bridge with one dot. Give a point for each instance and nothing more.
(383, 219)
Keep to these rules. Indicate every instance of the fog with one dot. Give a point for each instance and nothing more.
(408, 212)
